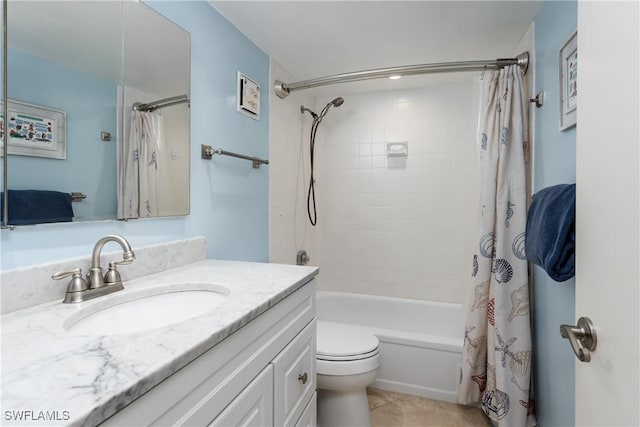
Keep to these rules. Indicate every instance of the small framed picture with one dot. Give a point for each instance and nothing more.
(569, 82)
(34, 131)
(248, 97)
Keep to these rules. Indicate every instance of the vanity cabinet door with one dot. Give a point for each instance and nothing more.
(295, 377)
(310, 413)
(252, 407)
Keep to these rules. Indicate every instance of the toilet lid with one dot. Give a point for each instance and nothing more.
(337, 341)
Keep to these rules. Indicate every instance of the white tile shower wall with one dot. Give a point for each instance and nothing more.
(289, 229)
(400, 227)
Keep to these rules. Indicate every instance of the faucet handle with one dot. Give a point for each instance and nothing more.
(77, 283)
(112, 277)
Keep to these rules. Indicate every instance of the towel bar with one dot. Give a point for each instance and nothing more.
(207, 153)
(77, 196)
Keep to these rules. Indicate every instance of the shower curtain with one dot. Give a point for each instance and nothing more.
(496, 356)
(139, 165)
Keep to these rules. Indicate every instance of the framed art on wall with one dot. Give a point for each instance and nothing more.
(569, 82)
(35, 131)
(248, 97)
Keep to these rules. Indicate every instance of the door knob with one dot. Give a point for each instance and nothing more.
(582, 338)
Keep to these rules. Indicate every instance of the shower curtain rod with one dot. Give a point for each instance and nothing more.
(161, 103)
(283, 89)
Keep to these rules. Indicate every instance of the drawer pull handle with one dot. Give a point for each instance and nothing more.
(303, 378)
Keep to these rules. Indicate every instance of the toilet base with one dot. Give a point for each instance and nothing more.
(343, 408)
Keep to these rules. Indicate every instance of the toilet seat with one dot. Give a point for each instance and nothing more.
(345, 350)
(347, 358)
(337, 341)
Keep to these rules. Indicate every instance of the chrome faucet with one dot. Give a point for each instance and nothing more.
(96, 285)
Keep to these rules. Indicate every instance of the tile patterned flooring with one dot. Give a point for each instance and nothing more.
(390, 409)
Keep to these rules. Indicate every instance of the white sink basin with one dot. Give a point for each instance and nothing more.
(129, 312)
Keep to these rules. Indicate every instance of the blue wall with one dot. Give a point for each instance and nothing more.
(555, 163)
(40, 82)
(229, 199)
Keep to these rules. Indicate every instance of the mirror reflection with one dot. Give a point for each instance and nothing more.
(153, 165)
(75, 70)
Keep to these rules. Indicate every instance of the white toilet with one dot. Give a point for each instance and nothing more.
(347, 362)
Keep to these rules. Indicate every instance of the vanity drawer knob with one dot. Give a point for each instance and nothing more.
(303, 378)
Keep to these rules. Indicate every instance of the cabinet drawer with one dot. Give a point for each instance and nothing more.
(294, 371)
(253, 407)
(309, 415)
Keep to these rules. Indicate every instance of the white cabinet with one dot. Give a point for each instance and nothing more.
(310, 413)
(294, 372)
(253, 407)
(256, 376)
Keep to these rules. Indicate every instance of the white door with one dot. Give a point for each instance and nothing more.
(607, 254)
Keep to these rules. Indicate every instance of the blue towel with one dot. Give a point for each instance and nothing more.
(550, 237)
(38, 207)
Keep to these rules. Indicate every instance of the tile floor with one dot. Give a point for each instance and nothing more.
(390, 409)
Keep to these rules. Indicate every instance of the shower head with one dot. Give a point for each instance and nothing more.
(338, 101)
(335, 103)
(303, 109)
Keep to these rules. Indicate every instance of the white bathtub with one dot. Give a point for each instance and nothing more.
(420, 341)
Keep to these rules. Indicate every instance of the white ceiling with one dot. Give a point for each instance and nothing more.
(319, 38)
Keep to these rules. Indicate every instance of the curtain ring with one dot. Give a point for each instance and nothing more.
(484, 69)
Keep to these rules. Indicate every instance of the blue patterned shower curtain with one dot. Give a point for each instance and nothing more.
(496, 355)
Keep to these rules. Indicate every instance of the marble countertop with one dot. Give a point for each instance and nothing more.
(82, 380)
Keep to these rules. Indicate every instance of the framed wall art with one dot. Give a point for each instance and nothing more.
(569, 82)
(34, 131)
(248, 97)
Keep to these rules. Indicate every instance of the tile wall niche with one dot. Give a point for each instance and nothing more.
(392, 226)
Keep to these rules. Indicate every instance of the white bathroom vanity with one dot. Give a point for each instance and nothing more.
(250, 358)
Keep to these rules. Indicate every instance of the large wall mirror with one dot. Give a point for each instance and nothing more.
(98, 100)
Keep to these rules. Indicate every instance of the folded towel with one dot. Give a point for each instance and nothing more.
(38, 207)
(550, 237)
